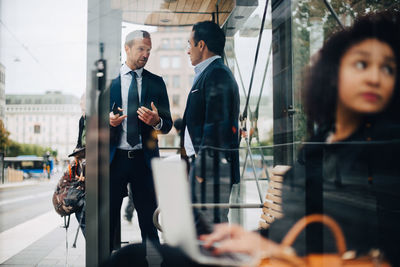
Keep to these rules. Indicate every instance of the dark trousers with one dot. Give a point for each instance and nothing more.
(80, 217)
(215, 188)
(135, 171)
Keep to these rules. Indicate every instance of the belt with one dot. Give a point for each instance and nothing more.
(131, 154)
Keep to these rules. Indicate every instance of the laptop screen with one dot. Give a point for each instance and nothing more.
(173, 196)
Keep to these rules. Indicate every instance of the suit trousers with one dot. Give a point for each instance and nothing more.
(133, 169)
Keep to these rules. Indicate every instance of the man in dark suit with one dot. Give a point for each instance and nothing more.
(143, 110)
(210, 121)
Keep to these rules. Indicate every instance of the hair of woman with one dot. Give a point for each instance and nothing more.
(320, 90)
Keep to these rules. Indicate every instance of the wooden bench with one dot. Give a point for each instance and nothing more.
(272, 208)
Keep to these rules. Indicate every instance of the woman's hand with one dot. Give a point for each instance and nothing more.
(233, 238)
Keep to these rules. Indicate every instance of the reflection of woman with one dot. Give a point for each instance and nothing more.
(350, 168)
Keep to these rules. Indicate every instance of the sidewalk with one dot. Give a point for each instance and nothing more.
(49, 249)
(23, 183)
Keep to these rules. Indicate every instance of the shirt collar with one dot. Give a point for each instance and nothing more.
(125, 70)
(199, 68)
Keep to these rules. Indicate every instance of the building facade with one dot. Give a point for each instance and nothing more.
(49, 120)
(2, 91)
(170, 60)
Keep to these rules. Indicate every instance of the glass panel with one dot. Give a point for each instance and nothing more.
(351, 182)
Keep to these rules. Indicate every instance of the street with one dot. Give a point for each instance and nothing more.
(31, 232)
(22, 203)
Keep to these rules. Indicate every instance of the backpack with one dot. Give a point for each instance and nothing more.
(69, 195)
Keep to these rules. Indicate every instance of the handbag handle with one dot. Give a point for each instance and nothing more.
(293, 233)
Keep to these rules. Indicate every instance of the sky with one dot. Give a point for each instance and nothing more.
(43, 45)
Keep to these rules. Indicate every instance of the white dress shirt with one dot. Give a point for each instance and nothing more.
(126, 79)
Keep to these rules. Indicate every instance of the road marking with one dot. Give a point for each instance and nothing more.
(14, 240)
(19, 199)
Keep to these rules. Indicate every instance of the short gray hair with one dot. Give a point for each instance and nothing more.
(139, 34)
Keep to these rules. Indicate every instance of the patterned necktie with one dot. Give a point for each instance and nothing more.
(133, 105)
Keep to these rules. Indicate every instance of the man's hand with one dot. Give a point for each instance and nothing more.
(199, 179)
(116, 119)
(150, 117)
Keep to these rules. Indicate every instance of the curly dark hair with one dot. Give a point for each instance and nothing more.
(321, 82)
(211, 34)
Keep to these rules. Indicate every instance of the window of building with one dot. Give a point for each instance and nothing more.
(178, 43)
(165, 43)
(164, 62)
(176, 81)
(176, 62)
(165, 78)
(36, 129)
(175, 100)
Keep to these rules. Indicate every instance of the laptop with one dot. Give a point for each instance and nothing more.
(177, 220)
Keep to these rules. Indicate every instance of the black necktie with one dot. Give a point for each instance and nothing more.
(133, 105)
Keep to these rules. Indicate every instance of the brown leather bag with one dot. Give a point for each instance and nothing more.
(69, 194)
(286, 257)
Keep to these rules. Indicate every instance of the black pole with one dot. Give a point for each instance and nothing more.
(2, 167)
(328, 5)
(243, 117)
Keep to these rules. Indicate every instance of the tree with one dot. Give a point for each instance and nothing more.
(308, 12)
(16, 149)
(4, 141)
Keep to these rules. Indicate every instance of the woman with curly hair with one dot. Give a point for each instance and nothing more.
(349, 167)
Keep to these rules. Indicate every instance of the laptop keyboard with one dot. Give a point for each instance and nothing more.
(229, 256)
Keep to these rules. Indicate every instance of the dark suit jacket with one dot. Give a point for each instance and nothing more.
(212, 114)
(153, 90)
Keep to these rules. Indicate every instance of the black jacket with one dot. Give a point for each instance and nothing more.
(212, 115)
(81, 127)
(356, 182)
(153, 90)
